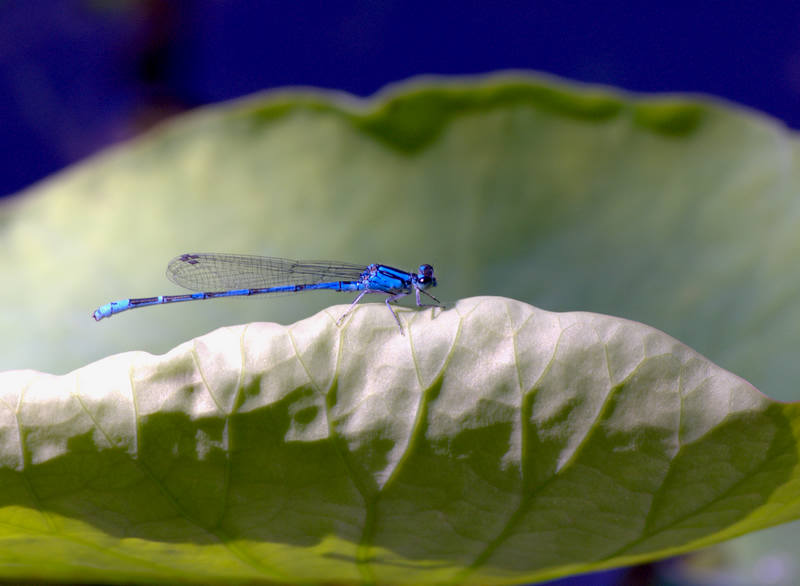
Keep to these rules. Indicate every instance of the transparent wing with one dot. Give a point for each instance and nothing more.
(220, 272)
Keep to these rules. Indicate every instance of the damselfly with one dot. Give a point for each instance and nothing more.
(232, 275)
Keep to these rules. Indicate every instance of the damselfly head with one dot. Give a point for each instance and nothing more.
(425, 277)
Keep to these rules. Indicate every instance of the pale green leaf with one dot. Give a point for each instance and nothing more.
(679, 212)
(676, 212)
(492, 443)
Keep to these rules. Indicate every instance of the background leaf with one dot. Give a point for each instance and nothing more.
(493, 443)
(680, 214)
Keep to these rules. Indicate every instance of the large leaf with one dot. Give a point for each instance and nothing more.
(493, 443)
(677, 212)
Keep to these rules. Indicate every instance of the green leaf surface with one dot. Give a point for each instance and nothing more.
(493, 443)
(679, 212)
(676, 212)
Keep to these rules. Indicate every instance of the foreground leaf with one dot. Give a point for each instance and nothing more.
(493, 443)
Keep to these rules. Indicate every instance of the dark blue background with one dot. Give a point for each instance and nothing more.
(76, 75)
